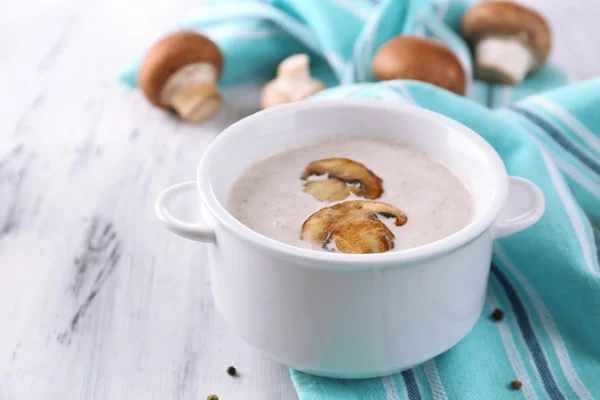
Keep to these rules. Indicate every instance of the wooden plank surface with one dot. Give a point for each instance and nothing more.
(97, 300)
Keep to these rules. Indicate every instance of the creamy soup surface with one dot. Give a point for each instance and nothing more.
(269, 196)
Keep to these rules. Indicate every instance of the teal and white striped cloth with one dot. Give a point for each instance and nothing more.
(547, 278)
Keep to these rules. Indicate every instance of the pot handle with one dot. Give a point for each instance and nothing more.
(524, 207)
(163, 207)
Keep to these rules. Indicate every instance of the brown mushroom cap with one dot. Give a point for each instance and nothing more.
(354, 226)
(364, 182)
(169, 55)
(504, 18)
(421, 59)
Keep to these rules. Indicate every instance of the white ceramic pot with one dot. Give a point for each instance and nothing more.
(348, 315)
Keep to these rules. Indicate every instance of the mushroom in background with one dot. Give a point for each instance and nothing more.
(292, 83)
(509, 40)
(180, 72)
(421, 59)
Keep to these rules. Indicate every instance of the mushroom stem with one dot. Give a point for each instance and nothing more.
(503, 60)
(293, 78)
(294, 67)
(292, 83)
(192, 92)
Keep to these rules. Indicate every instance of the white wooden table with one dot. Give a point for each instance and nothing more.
(96, 299)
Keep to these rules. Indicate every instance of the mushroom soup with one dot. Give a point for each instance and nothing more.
(351, 196)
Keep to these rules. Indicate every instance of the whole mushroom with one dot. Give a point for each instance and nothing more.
(180, 72)
(421, 59)
(509, 40)
(292, 83)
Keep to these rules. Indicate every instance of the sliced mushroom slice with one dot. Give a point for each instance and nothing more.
(318, 228)
(363, 236)
(374, 208)
(327, 190)
(353, 226)
(360, 180)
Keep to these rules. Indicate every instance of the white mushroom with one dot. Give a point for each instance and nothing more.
(181, 72)
(509, 40)
(292, 83)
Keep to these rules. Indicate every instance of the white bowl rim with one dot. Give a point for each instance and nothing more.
(318, 258)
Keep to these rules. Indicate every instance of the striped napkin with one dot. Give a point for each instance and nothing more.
(547, 278)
